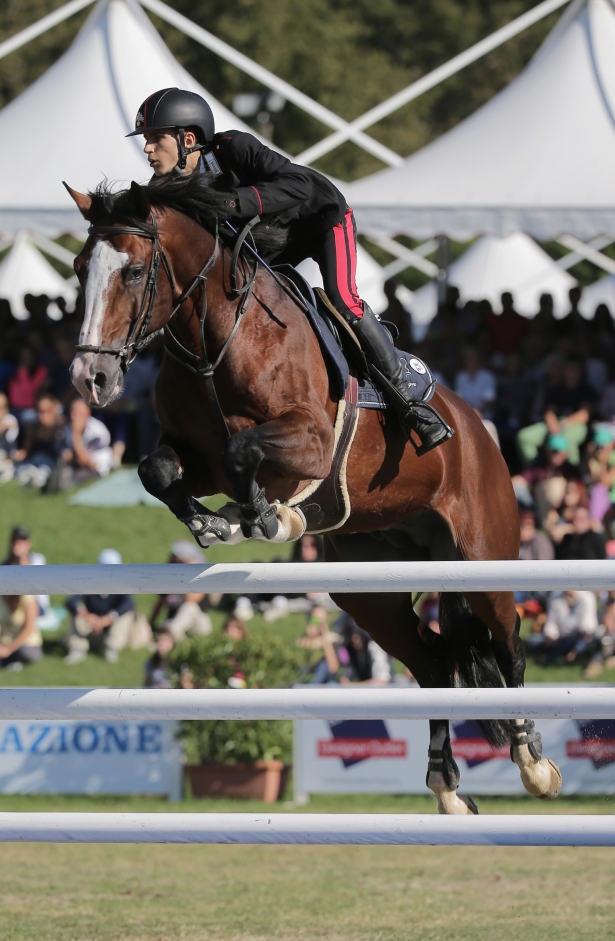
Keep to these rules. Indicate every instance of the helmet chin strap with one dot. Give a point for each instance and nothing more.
(184, 151)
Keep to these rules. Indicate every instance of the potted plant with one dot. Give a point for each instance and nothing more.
(243, 759)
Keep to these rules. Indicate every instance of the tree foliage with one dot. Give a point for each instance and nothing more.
(346, 54)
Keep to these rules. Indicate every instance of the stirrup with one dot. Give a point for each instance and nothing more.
(411, 417)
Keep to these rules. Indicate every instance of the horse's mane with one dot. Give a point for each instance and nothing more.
(191, 195)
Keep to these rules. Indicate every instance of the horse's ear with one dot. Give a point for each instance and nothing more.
(138, 201)
(84, 203)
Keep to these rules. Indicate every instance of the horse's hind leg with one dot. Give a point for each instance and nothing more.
(540, 776)
(161, 474)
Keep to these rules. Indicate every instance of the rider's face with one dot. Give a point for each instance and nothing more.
(162, 151)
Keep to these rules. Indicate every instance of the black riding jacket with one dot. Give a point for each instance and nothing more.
(271, 186)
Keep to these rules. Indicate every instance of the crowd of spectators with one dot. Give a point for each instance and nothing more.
(49, 438)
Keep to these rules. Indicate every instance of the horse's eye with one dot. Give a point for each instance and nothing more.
(135, 273)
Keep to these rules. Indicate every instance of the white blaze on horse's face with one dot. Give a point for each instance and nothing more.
(104, 268)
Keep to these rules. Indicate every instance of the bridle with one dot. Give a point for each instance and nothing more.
(138, 336)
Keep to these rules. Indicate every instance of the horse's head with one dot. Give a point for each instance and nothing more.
(113, 270)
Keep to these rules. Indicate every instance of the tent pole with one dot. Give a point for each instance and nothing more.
(442, 261)
(411, 257)
(454, 65)
(587, 251)
(42, 25)
(270, 80)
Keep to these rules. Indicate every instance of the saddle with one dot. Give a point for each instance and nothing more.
(325, 504)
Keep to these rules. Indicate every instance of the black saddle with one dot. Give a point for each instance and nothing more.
(342, 355)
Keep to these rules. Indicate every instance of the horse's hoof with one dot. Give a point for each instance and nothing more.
(292, 523)
(542, 779)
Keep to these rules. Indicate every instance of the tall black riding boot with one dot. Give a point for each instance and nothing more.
(414, 415)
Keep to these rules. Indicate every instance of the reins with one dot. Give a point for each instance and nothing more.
(138, 337)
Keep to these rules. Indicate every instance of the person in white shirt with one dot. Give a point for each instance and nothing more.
(88, 443)
(571, 625)
(475, 385)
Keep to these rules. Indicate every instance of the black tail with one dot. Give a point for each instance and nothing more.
(471, 660)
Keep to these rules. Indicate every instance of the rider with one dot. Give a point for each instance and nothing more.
(180, 138)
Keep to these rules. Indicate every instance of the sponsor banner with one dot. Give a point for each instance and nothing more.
(390, 757)
(71, 757)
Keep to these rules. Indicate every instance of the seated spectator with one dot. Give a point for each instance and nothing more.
(583, 542)
(306, 549)
(571, 626)
(605, 654)
(42, 446)
(109, 622)
(235, 628)
(9, 432)
(559, 519)
(157, 672)
(87, 443)
(542, 484)
(369, 665)
(475, 385)
(330, 656)
(533, 546)
(20, 638)
(184, 614)
(20, 553)
(567, 412)
(601, 468)
(61, 382)
(25, 385)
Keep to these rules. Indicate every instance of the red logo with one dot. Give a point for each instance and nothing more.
(601, 750)
(358, 749)
(477, 749)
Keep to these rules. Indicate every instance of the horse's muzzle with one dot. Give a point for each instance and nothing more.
(97, 377)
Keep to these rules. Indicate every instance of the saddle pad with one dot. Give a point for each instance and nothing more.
(333, 356)
(417, 372)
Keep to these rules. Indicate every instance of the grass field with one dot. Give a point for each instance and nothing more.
(235, 893)
(286, 893)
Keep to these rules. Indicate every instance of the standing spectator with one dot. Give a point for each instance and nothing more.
(24, 386)
(508, 329)
(20, 553)
(605, 654)
(43, 442)
(475, 385)
(20, 638)
(87, 443)
(331, 657)
(104, 621)
(571, 625)
(184, 613)
(573, 322)
(583, 542)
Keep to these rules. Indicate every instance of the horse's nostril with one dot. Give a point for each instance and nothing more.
(100, 380)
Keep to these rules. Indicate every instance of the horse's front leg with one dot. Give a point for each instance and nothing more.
(162, 474)
(297, 447)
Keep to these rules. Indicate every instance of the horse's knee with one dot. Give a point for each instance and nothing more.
(159, 470)
(242, 454)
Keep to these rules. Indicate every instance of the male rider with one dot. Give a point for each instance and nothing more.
(180, 138)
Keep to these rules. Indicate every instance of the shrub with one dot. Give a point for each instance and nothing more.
(265, 662)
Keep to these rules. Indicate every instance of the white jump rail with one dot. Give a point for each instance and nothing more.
(327, 829)
(295, 578)
(112, 704)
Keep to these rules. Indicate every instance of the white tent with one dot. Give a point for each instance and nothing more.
(370, 280)
(25, 271)
(539, 157)
(493, 265)
(600, 292)
(71, 123)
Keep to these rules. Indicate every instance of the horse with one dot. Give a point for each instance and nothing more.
(264, 431)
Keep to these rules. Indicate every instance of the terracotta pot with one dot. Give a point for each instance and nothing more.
(262, 780)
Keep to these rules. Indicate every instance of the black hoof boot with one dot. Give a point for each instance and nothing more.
(258, 518)
(204, 525)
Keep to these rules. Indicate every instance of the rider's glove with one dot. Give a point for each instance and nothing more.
(231, 204)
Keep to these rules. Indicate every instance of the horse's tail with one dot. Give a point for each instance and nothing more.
(471, 659)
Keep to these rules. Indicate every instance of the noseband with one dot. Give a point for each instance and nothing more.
(138, 336)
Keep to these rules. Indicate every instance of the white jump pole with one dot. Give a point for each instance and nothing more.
(367, 703)
(291, 577)
(331, 829)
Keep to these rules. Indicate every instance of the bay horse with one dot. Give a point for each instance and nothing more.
(154, 260)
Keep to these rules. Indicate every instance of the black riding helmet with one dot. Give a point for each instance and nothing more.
(176, 108)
